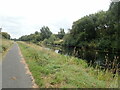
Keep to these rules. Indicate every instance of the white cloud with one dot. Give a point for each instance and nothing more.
(20, 17)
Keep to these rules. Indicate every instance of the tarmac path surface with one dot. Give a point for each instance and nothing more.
(13, 71)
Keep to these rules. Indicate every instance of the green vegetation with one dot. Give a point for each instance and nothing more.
(97, 31)
(52, 70)
(4, 46)
(45, 37)
(61, 34)
(5, 43)
(44, 33)
(5, 35)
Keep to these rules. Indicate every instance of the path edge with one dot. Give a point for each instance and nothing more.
(34, 85)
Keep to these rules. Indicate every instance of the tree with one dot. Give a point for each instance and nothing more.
(36, 32)
(5, 35)
(24, 38)
(52, 39)
(101, 30)
(45, 32)
(61, 33)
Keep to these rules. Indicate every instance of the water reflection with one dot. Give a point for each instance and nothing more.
(93, 56)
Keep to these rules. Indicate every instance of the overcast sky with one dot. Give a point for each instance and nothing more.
(21, 17)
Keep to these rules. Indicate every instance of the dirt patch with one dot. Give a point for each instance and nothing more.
(13, 78)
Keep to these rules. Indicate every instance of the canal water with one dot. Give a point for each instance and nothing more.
(106, 60)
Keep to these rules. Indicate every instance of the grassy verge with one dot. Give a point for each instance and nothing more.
(4, 46)
(52, 70)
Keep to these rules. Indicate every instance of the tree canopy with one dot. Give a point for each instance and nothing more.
(99, 30)
(5, 35)
(44, 33)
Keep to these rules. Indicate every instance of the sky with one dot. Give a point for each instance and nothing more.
(23, 17)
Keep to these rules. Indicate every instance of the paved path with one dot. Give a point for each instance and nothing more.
(13, 71)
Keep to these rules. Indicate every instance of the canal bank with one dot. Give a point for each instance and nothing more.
(59, 71)
(105, 60)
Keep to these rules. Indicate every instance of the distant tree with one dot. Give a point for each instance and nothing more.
(61, 33)
(36, 32)
(24, 38)
(5, 35)
(52, 39)
(45, 32)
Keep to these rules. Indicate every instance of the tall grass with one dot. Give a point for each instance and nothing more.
(52, 70)
(4, 45)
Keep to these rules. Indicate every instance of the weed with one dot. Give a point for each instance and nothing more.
(53, 70)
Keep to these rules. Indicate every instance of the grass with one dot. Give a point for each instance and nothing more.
(4, 46)
(52, 70)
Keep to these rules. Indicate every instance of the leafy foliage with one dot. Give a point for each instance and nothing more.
(101, 28)
(61, 34)
(5, 35)
(44, 33)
